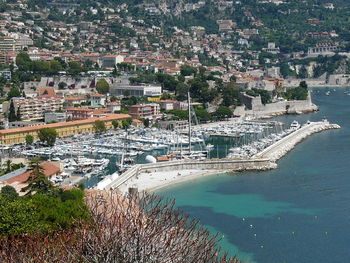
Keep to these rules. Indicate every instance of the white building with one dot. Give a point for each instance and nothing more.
(136, 90)
(98, 100)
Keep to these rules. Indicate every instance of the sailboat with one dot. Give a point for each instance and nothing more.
(125, 162)
(187, 152)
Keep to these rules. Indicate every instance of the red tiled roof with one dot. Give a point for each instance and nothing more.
(50, 92)
(49, 169)
(110, 117)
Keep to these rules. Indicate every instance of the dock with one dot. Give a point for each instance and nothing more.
(264, 160)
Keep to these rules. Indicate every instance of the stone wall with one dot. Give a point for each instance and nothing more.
(208, 164)
(255, 107)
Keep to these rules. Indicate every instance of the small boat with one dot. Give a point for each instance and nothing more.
(295, 125)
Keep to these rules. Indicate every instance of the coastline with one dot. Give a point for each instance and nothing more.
(164, 175)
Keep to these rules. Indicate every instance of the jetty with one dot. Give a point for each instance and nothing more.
(277, 150)
(163, 174)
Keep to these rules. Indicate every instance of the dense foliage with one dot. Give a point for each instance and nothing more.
(264, 94)
(298, 93)
(122, 229)
(50, 210)
(48, 136)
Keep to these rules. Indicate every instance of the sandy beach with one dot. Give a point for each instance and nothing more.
(155, 180)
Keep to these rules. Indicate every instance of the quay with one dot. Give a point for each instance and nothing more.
(141, 176)
(277, 150)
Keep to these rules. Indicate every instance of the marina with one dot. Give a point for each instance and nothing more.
(296, 213)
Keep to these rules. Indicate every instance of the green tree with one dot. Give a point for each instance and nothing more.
(115, 124)
(102, 86)
(8, 166)
(100, 126)
(146, 122)
(74, 68)
(8, 192)
(18, 115)
(14, 92)
(223, 112)
(47, 135)
(186, 70)
(202, 115)
(29, 139)
(181, 91)
(17, 217)
(12, 112)
(23, 61)
(125, 124)
(230, 95)
(55, 67)
(38, 183)
(62, 85)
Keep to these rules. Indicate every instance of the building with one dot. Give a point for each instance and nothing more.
(82, 113)
(49, 169)
(34, 109)
(271, 48)
(142, 111)
(109, 61)
(167, 104)
(323, 48)
(173, 125)
(5, 74)
(114, 106)
(180, 105)
(21, 124)
(71, 101)
(65, 129)
(98, 100)
(7, 45)
(51, 117)
(136, 90)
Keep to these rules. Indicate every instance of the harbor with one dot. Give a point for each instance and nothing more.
(154, 176)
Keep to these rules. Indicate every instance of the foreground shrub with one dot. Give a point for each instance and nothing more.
(134, 229)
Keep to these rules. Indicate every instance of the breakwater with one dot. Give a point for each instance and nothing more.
(277, 150)
(265, 160)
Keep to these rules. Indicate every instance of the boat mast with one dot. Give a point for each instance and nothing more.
(189, 122)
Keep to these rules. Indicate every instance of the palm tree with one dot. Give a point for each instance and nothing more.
(8, 166)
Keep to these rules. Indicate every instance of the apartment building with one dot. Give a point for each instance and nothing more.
(34, 109)
(82, 113)
(7, 45)
(142, 111)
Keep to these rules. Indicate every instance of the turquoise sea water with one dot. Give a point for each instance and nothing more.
(299, 213)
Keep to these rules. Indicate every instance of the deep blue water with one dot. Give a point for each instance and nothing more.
(298, 213)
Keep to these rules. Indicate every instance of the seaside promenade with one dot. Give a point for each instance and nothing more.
(148, 177)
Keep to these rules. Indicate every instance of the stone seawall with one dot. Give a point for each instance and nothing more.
(286, 144)
(260, 164)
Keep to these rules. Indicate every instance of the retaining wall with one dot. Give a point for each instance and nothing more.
(211, 164)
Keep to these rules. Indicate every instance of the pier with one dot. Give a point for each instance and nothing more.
(277, 150)
(264, 160)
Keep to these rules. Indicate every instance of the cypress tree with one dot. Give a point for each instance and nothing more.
(18, 113)
(12, 113)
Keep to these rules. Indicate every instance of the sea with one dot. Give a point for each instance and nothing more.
(298, 213)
